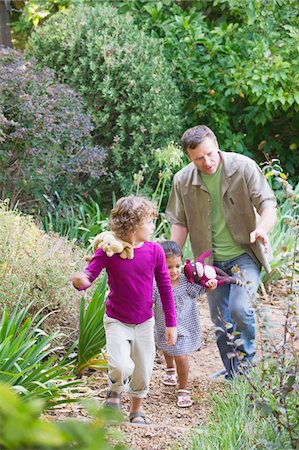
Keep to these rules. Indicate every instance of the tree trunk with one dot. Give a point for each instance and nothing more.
(5, 36)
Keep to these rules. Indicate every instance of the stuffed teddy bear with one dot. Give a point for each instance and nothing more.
(111, 245)
(200, 273)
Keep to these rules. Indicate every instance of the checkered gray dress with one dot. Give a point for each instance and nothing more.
(185, 296)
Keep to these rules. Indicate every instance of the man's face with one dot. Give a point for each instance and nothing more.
(205, 156)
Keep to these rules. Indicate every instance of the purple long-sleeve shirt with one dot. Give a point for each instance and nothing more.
(130, 299)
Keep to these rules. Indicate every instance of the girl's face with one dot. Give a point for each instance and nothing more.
(174, 264)
(143, 233)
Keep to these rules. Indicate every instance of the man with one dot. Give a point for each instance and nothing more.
(225, 204)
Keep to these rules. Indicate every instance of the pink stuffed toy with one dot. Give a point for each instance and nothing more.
(200, 273)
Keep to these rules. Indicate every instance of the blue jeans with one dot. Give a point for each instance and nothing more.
(233, 304)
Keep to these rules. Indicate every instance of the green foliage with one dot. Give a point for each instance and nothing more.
(92, 337)
(125, 80)
(237, 64)
(32, 14)
(80, 223)
(21, 427)
(27, 15)
(236, 424)
(45, 136)
(283, 236)
(27, 357)
(39, 266)
(275, 388)
(167, 160)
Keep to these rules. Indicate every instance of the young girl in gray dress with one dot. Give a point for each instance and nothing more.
(188, 326)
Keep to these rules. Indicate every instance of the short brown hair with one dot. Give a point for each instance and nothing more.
(194, 136)
(171, 248)
(129, 213)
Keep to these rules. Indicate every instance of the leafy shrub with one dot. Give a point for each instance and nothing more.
(92, 337)
(45, 135)
(237, 66)
(32, 14)
(21, 427)
(124, 78)
(27, 357)
(39, 266)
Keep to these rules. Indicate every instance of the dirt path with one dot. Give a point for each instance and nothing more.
(171, 426)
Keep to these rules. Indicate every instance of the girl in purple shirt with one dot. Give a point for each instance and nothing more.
(129, 322)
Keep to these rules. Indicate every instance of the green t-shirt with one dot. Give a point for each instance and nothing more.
(224, 245)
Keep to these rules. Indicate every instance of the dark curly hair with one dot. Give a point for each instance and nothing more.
(129, 213)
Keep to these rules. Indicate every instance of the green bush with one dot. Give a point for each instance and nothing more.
(237, 64)
(45, 136)
(27, 357)
(39, 266)
(125, 80)
(92, 338)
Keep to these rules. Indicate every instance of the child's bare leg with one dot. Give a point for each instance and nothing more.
(169, 362)
(136, 416)
(169, 377)
(135, 404)
(182, 367)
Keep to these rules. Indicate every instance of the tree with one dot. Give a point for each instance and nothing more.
(5, 35)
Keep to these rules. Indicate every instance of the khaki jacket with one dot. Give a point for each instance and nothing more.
(245, 193)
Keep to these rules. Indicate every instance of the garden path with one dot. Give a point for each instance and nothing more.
(171, 426)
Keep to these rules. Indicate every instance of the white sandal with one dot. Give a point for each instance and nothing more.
(184, 401)
(169, 379)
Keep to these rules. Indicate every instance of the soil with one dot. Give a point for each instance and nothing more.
(171, 427)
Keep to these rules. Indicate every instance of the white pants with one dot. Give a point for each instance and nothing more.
(131, 353)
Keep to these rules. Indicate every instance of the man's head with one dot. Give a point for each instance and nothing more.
(201, 146)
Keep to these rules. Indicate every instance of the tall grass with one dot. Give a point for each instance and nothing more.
(235, 424)
(80, 223)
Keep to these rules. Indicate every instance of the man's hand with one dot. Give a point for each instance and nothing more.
(261, 236)
(211, 284)
(171, 335)
(80, 281)
(266, 224)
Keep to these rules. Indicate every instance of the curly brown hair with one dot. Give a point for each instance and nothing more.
(129, 213)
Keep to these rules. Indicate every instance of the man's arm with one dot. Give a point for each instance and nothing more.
(178, 234)
(267, 222)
